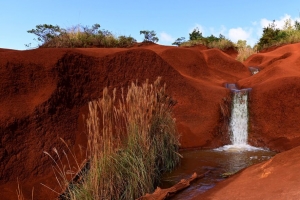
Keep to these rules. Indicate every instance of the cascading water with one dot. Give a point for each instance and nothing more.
(239, 117)
(238, 126)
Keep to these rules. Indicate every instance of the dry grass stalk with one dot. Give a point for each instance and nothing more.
(130, 143)
(245, 52)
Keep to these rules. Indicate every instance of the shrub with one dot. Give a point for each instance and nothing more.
(273, 36)
(149, 36)
(129, 145)
(196, 34)
(78, 37)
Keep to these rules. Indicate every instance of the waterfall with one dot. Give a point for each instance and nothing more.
(239, 117)
(238, 125)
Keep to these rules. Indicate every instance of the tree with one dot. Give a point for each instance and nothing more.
(46, 32)
(149, 36)
(297, 25)
(196, 34)
(270, 34)
(288, 25)
(179, 41)
(92, 31)
(241, 44)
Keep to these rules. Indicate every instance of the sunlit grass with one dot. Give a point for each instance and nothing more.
(131, 142)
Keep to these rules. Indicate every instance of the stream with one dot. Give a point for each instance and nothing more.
(218, 161)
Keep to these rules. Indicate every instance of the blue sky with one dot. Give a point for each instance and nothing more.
(236, 19)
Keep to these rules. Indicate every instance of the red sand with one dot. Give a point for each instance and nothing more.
(44, 92)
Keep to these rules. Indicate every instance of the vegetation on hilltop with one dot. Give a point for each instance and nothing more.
(149, 36)
(273, 36)
(196, 38)
(78, 37)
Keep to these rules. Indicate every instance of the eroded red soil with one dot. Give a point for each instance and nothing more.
(44, 92)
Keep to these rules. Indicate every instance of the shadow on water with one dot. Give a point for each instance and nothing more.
(217, 161)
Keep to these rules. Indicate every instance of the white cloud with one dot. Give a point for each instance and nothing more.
(239, 33)
(254, 23)
(164, 37)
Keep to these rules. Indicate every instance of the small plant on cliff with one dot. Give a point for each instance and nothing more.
(149, 36)
(130, 144)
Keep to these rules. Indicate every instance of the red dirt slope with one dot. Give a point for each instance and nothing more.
(275, 104)
(277, 178)
(43, 93)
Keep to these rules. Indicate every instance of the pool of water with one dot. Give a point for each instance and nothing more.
(219, 161)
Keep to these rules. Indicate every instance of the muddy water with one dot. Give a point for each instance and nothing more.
(218, 162)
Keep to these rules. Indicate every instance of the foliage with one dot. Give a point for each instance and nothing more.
(129, 145)
(149, 36)
(46, 32)
(196, 34)
(297, 25)
(196, 38)
(244, 50)
(273, 36)
(179, 41)
(78, 37)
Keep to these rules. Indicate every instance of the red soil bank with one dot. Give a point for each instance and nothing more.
(275, 98)
(275, 123)
(43, 93)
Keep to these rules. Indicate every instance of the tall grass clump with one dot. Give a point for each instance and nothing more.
(244, 50)
(78, 37)
(244, 53)
(131, 142)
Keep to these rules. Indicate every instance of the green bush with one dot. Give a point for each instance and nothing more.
(273, 36)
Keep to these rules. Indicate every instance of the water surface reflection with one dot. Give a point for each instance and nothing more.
(217, 161)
